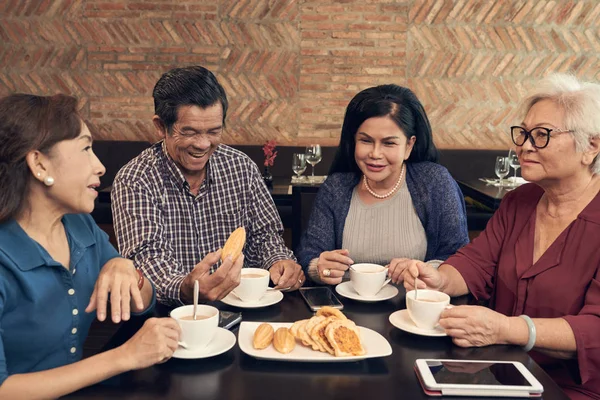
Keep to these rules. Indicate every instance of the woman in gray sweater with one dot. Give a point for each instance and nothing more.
(386, 200)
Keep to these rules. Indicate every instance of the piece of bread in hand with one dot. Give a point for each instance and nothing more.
(234, 245)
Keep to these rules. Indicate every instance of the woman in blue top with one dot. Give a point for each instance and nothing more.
(386, 200)
(56, 266)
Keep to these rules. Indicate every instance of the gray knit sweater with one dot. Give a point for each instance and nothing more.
(436, 198)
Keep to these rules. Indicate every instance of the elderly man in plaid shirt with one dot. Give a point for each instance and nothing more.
(175, 205)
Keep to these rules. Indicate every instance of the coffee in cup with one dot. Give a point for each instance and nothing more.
(368, 279)
(425, 310)
(253, 284)
(196, 334)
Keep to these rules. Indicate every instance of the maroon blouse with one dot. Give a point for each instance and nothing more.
(564, 282)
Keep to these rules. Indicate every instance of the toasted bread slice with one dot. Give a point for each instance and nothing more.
(318, 334)
(328, 311)
(294, 328)
(344, 337)
(307, 329)
(303, 335)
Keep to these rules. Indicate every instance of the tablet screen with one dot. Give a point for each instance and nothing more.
(471, 373)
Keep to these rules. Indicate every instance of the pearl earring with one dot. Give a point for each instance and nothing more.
(48, 181)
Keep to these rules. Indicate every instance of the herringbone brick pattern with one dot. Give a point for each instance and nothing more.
(291, 66)
(471, 61)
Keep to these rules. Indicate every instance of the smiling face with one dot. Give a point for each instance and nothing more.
(381, 149)
(193, 138)
(76, 171)
(558, 160)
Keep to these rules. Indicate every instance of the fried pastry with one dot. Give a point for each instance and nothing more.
(318, 334)
(328, 311)
(307, 329)
(263, 336)
(283, 341)
(234, 245)
(294, 330)
(344, 337)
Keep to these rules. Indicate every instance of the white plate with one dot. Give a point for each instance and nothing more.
(223, 341)
(268, 299)
(347, 290)
(374, 344)
(401, 320)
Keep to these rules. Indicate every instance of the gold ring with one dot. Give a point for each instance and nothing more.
(326, 272)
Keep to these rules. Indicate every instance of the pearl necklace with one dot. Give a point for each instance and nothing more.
(388, 194)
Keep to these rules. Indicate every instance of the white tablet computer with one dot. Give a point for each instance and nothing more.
(477, 378)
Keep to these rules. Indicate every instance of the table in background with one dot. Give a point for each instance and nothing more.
(234, 375)
(488, 195)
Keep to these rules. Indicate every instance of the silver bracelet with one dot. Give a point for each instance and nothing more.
(532, 333)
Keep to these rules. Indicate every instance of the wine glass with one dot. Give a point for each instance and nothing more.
(513, 160)
(298, 164)
(502, 168)
(313, 157)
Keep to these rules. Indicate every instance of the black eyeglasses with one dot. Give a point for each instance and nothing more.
(538, 137)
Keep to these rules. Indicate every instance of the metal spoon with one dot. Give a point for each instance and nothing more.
(196, 290)
(416, 284)
(283, 289)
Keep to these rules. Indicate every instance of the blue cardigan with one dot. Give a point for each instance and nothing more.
(436, 197)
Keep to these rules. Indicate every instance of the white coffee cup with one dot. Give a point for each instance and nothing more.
(253, 284)
(426, 309)
(368, 279)
(196, 334)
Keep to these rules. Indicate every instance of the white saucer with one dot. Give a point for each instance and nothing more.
(347, 290)
(401, 320)
(223, 341)
(268, 299)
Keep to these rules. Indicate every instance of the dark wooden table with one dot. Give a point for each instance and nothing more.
(234, 375)
(489, 196)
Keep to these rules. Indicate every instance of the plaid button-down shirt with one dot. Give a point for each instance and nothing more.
(166, 229)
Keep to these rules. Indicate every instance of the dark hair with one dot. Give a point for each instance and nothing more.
(396, 102)
(28, 123)
(186, 86)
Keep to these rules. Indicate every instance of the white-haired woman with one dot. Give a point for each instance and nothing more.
(538, 260)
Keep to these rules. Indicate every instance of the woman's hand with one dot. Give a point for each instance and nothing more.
(474, 326)
(429, 277)
(397, 266)
(119, 278)
(332, 265)
(154, 343)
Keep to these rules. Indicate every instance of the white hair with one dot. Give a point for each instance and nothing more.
(581, 103)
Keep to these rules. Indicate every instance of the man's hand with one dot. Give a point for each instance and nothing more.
(286, 273)
(119, 278)
(212, 286)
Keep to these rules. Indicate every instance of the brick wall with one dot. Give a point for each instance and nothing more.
(291, 66)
